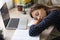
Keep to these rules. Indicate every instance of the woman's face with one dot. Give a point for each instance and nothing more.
(39, 14)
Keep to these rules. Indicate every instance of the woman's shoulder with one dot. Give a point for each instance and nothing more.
(52, 10)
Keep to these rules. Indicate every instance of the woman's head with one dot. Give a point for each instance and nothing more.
(38, 10)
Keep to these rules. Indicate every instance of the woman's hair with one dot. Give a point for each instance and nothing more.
(38, 6)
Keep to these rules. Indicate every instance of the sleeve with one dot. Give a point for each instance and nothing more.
(49, 20)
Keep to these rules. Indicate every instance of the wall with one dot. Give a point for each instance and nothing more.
(56, 1)
(40, 1)
(9, 3)
(1, 3)
(53, 1)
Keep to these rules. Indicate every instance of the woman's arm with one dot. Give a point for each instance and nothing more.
(49, 20)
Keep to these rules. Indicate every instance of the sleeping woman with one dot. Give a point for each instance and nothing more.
(44, 17)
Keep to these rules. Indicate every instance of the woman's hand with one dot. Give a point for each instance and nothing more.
(37, 20)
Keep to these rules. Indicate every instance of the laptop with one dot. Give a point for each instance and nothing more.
(10, 23)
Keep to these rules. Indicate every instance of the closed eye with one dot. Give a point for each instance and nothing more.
(36, 13)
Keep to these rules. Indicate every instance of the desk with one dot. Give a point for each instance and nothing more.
(23, 35)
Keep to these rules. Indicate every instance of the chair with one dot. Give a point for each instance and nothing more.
(45, 34)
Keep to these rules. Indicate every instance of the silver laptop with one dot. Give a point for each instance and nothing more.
(10, 23)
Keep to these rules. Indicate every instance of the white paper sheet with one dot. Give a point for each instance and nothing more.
(23, 35)
(23, 22)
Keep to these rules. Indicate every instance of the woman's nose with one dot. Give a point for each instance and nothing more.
(38, 17)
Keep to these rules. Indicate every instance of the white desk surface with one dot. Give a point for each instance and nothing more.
(23, 35)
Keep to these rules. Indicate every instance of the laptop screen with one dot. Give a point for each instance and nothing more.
(5, 14)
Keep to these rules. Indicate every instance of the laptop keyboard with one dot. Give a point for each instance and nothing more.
(13, 23)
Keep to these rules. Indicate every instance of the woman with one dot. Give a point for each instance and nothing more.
(42, 22)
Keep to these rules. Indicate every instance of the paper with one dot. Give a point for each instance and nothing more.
(23, 23)
(31, 23)
(23, 35)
